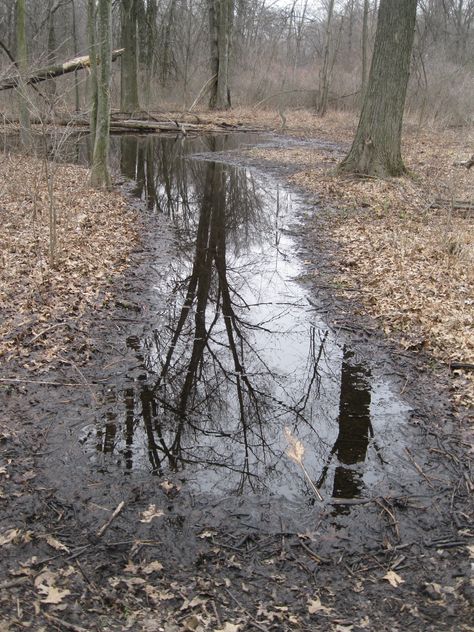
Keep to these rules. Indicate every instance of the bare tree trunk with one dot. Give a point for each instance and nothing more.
(220, 27)
(365, 42)
(376, 147)
(129, 69)
(324, 74)
(91, 15)
(100, 175)
(76, 50)
(22, 61)
(51, 85)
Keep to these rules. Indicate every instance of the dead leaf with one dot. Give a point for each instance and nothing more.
(295, 449)
(315, 606)
(229, 627)
(393, 579)
(150, 513)
(208, 533)
(56, 544)
(152, 567)
(170, 488)
(9, 536)
(53, 594)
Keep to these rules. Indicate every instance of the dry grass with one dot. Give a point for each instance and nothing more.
(413, 264)
(94, 235)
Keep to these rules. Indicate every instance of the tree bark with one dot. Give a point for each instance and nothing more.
(56, 70)
(100, 175)
(324, 74)
(129, 67)
(220, 28)
(22, 61)
(93, 86)
(376, 147)
(365, 45)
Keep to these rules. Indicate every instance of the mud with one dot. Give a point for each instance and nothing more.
(223, 333)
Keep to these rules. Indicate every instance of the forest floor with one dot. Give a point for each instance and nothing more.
(85, 550)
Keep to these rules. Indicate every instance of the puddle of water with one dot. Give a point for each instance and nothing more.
(238, 357)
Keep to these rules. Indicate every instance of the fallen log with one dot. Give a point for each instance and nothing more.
(56, 70)
(458, 205)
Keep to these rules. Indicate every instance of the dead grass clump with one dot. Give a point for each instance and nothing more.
(94, 234)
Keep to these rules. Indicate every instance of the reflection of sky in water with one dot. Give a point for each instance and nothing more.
(296, 374)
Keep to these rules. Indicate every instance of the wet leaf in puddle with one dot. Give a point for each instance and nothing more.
(171, 489)
(150, 513)
(295, 448)
(393, 579)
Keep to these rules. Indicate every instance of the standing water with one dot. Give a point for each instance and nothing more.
(238, 363)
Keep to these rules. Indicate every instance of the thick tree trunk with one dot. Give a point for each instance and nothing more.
(376, 147)
(220, 28)
(100, 176)
(129, 69)
(22, 61)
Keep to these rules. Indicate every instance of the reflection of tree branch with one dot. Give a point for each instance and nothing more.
(315, 375)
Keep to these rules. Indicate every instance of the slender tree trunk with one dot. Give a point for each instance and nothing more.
(365, 44)
(100, 175)
(91, 15)
(324, 74)
(220, 27)
(76, 51)
(376, 147)
(129, 67)
(51, 84)
(22, 60)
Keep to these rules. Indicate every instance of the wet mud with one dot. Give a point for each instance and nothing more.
(218, 358)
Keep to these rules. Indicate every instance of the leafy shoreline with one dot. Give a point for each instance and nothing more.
(42, 302)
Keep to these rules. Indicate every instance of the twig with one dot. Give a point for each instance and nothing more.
(391, 515)
(64, 624)
(418, 468)
(317, 558)
(12, 380)
(107, 524)
(252, 620)
(11, 583)
(201, 92)
(81, 374)
(45, 331)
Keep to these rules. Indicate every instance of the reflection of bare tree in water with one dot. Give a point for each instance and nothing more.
(216, 401)
(210, 299)
(355, 429)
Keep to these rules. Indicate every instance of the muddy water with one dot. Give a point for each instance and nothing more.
(237, 366)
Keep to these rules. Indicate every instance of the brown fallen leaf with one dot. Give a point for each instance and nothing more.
(9, 536)
(315, 606)
(150, 513)
(56, 544)
(53, 595)
(229, 627)
(393, 579)
(152, 567)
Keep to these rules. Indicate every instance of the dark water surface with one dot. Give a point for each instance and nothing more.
(237, 357)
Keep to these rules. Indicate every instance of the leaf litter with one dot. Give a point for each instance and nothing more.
(279, 583)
